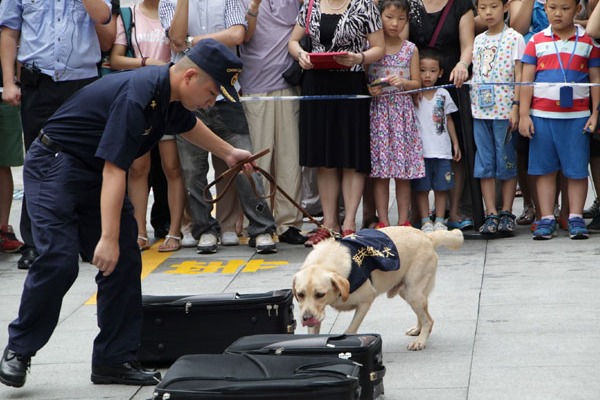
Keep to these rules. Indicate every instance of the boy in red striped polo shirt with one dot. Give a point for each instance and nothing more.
(555, 117)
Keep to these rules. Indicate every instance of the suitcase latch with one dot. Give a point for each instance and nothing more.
(188, 307)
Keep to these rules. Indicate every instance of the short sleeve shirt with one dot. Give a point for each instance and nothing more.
(542, 51)
(494, 58)
(360, 19)
(432, 122)
(119, 117)
(421, 27)
(148, 38)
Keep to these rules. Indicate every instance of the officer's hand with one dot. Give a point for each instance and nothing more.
(106, 255)
(238, 155)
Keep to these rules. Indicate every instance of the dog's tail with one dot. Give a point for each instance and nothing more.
(450, 239)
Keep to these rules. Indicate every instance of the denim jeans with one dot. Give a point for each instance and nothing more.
(228, 121)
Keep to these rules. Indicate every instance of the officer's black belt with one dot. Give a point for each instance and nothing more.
(49, 143)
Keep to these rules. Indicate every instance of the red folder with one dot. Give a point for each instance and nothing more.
(326, 61)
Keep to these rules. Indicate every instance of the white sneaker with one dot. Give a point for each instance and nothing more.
(439, 226)
(207, 243)
(264, 244)
(229, 239)
(427, 227)
(188, 240)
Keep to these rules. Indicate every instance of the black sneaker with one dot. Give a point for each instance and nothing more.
(128, 373)
(593, 210)
(292, 236)
(594, 225)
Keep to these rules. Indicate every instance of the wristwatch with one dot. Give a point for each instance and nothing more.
(189, 41)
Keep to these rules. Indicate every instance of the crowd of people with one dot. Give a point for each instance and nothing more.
(427, 93)
(343, 151)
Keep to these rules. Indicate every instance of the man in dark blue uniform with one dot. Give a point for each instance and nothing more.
(75, 176)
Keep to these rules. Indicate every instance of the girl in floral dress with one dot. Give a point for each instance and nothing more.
(396, 148)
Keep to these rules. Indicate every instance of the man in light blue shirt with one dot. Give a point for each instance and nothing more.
(57, 45)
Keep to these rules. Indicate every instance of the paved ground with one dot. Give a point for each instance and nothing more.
(515, 319)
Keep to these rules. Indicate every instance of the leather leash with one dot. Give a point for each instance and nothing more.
(232, 173)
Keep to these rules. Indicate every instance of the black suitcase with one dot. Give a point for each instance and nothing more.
(364, 349)
(259, 377)
(177, 325)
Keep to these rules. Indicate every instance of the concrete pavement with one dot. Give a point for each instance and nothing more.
(514, 319)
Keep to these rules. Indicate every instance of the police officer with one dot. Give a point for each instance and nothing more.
(75, 175)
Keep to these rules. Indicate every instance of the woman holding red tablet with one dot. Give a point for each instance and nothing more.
(334, 134)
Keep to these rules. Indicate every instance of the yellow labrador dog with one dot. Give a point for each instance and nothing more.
(330, 269)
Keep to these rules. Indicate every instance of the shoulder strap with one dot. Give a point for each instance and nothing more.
(308, 13)
(127, 16)
(440, 23)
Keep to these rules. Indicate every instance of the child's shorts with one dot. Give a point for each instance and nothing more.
(495, 157)
(438, 176)
(559, 144)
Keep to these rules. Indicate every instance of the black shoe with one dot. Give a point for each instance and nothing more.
(128, 373)
(292, 236)
(13, 368)
(594, 225)
(27, 257)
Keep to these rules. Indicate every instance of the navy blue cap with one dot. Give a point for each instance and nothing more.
(220, 63)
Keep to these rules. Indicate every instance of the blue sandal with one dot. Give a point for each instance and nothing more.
(490, 225)
(462, 224)
(507, 223)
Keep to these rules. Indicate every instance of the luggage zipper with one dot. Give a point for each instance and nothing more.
(188, 306)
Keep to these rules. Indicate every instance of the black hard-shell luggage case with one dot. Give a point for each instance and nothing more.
(259, 377)
(364, 349)
(177, 325)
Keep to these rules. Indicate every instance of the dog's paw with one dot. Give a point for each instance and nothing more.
(416, 345)
(414, 331)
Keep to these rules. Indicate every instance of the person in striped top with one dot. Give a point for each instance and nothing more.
(556, 117)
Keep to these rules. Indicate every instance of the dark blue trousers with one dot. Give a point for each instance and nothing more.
(63, 195)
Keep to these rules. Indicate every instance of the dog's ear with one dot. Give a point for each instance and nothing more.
(294, 288)
(342, 285)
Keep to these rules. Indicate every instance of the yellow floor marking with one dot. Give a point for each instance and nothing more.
(151, 259)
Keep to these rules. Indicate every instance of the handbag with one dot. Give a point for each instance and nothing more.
(293, 75)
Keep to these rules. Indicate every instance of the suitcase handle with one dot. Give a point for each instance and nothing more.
(163, 301)
(181, 300)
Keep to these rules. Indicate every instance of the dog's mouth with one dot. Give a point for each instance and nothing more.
(310, 322)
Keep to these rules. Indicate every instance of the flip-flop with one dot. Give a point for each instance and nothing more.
(164, 247)
(146, 244)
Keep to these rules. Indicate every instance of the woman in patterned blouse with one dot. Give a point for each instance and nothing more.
(334, 134)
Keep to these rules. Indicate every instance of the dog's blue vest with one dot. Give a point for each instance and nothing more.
(370, 249)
